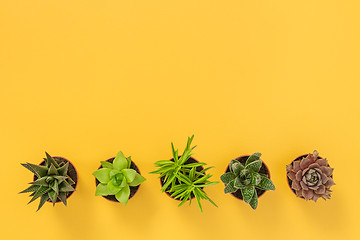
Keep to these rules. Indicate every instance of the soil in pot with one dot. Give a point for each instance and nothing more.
(198, 169)
(264, 170)
(71, 173)
(133, 190)
(290, 181)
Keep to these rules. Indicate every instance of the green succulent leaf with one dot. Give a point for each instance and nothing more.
(247, 193)
(102, 190)
(120, 162)
(60, 179)
(32, 188)
(230, 188)
(123, 195)
(63, 169)
(137, 180)
(227, 177)
(254, 166)
(113, 189)
(266, 184)
(53, 196)
(42, 190)
(105, 164)
(103, 175)
(238, 183)
(129, 174)
(254, 201)
(65, 187)
(38, 170)
(255, 178)
(55, 187)
(114, 172)
(62, 197)
(52, 170)
(43, 199)
(40, 181)
(235, 166)
(50, 160)
(252, 158)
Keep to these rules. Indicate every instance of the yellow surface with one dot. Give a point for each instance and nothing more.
(85, 79)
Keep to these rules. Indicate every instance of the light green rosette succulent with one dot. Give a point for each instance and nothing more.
(116, 178)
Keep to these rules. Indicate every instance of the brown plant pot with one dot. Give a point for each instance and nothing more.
(133, 190)
(72, 173)
(264, 170)
(289, 181)
(198, 169)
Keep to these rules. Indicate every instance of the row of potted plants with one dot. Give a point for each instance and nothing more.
(182, 178)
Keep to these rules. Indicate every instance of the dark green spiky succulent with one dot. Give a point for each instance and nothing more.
(247, 178)
(52, 181)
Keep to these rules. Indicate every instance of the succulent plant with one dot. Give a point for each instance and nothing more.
(183, 180)
(311, 177)
(116, 178)
(246, 179)
(52, 181)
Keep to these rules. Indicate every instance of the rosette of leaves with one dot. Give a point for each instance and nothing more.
(246, 179)
(116, 178)
(52, 181)
(311, 177)
(183, 180)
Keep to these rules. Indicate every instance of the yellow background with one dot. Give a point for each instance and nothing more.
(85, 79)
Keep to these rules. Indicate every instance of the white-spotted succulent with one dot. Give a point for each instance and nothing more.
(52, 181)
(311, 177)
(116, 178)
(246, 179)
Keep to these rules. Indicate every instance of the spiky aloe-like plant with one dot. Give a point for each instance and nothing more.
(52, 181)
(182, 180)
(246, 179)
(116, 178)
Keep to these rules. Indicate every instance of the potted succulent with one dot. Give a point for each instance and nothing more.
(310, 177)
(54, 180)
(184, 178)
(118, 179)
(247, 178)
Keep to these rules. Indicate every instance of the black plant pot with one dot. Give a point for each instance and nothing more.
(264, 170)
(189, 161)
(133, 190)
(72, 173)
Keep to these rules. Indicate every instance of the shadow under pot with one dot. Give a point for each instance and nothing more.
(263, 170)
(72, 173)
(133, 190)
(313, 178)
(189, 161)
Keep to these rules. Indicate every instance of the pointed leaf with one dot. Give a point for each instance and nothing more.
(254, 166)
(63, 169)
(50, 161)
(32, 188)
(43, 199)
(55, 187)
(266, 184)
(230, 188)
(129, 162)
(102, 190)
(42, 190)
(40, 182)
(235, 166)
(69, 180)
(238, 183)
(247, 193)
(227, 177)
(60, 179)
(62, 197)
(53, 196)
(38, 170)
(65, 187)
(52, 170)
(120, 162)
(137, 180)
(102, 174)
(254, 201)
(129, 174)
(105, 164)
(123, 195)
(252, 158)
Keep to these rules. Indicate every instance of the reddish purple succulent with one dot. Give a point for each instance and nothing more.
(311, 177)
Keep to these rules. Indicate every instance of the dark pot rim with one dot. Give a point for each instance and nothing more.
(238, 192)
(193, 161)
(112, 198)
(76, 174)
